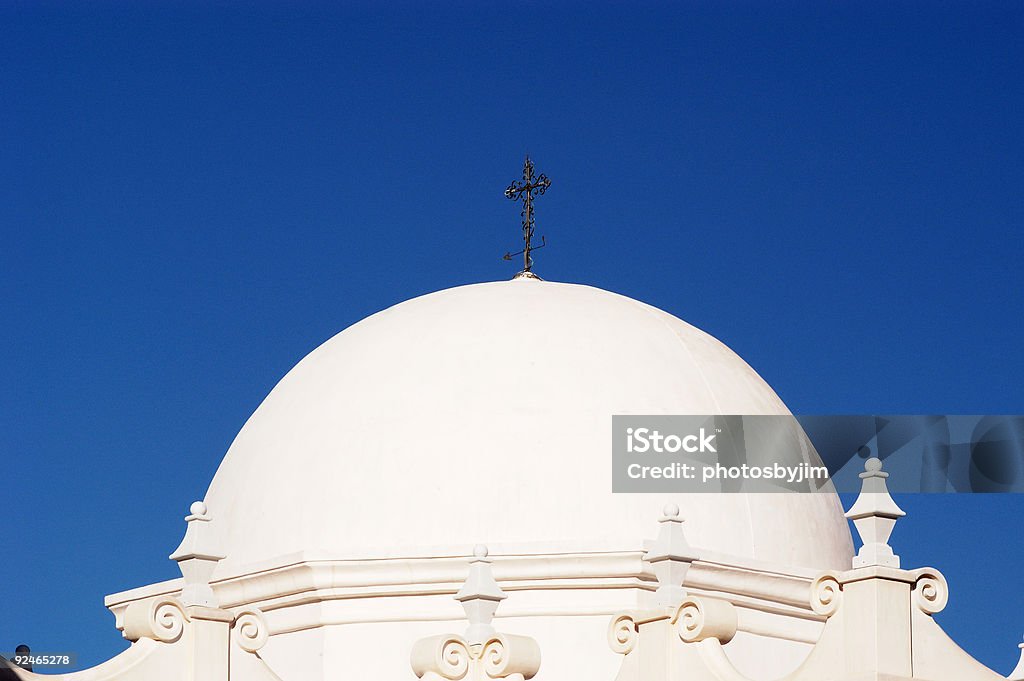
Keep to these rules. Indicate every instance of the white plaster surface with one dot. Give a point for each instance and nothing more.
(483, 414)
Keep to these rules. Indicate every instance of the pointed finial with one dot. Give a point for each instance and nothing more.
(670, 555)
(197, 556)
(480, 596)
(1018, 672)
(526, 190)
(874, 514)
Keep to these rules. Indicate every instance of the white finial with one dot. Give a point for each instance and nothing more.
(481, 653)
(670, 555)
(1018, 672)
(480, 596)
(197, 556)
(874, 514)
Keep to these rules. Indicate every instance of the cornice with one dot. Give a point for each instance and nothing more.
(309, 590)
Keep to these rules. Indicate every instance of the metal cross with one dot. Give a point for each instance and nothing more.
(526, 190)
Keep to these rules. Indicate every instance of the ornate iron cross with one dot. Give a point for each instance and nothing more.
(526, 190)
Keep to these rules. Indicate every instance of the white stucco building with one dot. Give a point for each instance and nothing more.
(345, 515)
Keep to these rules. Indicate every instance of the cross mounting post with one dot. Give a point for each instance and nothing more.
(526, 189)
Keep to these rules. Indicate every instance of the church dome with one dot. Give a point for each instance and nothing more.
(482, 413)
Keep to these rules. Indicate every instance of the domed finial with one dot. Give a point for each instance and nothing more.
(480, 595)
(670, 556)
(526, 190)
(874, 514)
(197, 555)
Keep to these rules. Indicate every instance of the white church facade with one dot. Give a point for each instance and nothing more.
(428, 495)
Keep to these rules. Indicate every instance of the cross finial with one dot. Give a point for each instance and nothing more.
(527, 189)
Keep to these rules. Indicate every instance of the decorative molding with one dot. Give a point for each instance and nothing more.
(161, 619)
(323, 579)
(622, 634)
(697, 619)
(931, 592)
(510, 657)
(302, 597)
(447, 656)
(826, 594)
(249, 630)
(452, 657)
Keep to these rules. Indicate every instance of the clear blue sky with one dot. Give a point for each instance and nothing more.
(191, 199)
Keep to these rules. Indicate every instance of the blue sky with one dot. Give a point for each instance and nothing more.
(192, 198)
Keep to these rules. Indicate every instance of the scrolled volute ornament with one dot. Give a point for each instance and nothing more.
(446, 656)
(697, 619)
(826, 594)
(931, 593)
(250, 630)
(622, 634)
(506, 656)
(161, 619)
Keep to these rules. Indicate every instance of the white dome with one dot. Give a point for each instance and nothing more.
(483, 414)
